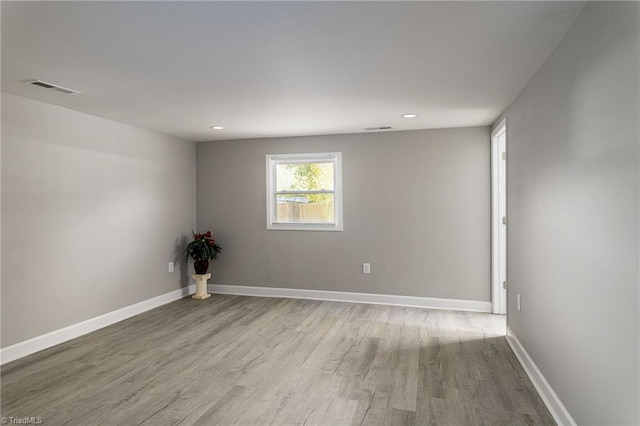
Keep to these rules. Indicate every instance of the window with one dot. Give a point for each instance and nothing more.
(304, 191)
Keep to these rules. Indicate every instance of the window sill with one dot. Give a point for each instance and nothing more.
(300, 227)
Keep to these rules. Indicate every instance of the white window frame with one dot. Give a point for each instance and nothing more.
(274, 159)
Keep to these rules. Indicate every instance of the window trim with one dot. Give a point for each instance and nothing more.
(329, 157)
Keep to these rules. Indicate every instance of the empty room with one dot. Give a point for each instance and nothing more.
(320, 213)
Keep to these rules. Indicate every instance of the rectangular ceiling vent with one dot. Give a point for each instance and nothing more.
(378, 128)
(51, 86)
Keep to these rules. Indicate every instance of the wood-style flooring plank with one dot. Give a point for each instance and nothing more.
(266, 361)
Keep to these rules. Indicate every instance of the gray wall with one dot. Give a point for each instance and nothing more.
(92, 212)
(416, 206)
(573, 212)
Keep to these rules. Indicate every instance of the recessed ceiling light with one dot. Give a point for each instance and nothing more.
(217, 127)
(409, 115)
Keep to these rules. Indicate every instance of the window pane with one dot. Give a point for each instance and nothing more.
(306, 208)
(304, 176)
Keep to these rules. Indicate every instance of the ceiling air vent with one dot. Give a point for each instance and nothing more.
(52, 87)
(378, 128)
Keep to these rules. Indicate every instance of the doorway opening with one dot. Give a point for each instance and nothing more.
(499, 218)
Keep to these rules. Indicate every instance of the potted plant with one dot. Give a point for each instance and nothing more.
(201, 249)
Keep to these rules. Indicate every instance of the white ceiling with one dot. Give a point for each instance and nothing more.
(265, 69)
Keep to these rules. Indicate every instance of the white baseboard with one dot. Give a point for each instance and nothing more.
(343, 296)
(56, 337)
(53, 338)
(557, 409)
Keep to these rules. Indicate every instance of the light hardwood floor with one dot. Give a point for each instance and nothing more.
(262, 361)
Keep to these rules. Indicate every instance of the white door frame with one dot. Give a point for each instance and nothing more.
(498, 218)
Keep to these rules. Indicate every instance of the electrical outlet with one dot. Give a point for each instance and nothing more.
(171, 267)
(518, 301)
(366, 268)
